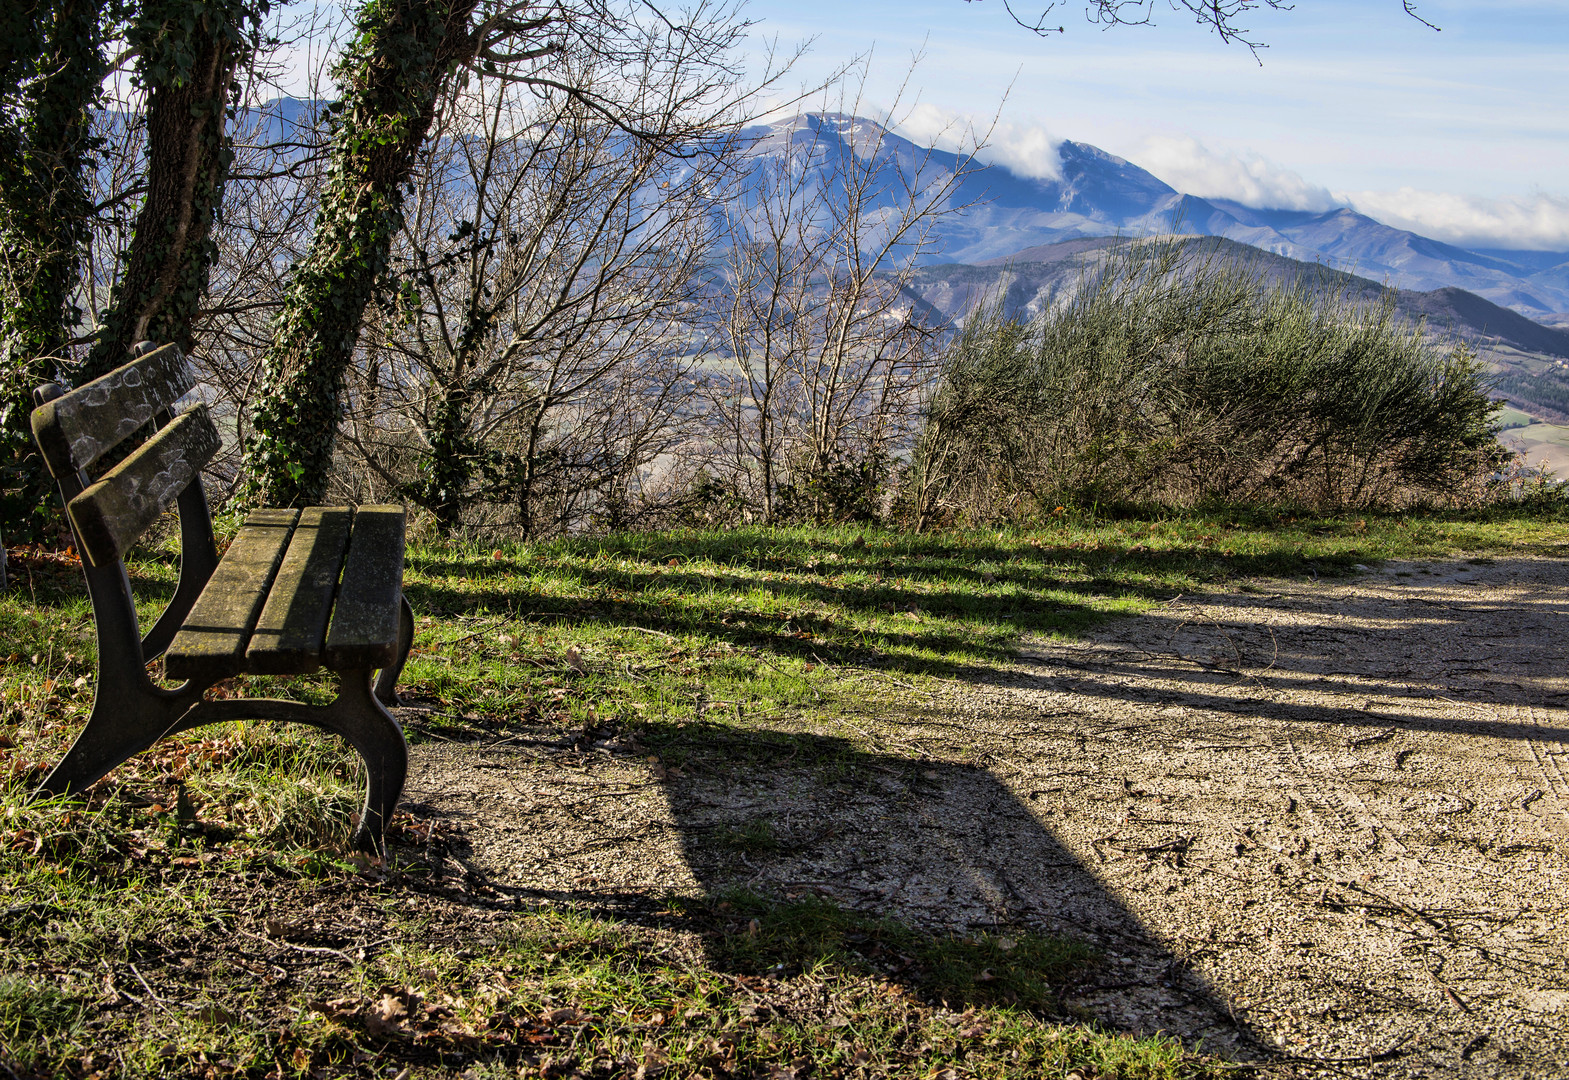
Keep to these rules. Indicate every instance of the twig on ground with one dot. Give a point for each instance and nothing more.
(315, 949)
(476, 633)
(646, 630)
(896, 682)
(160, 1002)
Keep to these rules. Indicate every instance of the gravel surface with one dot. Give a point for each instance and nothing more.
(1321, 824)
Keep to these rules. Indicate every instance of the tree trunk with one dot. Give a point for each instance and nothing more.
(45, 154)
(450, 468)
(392, 76)
(189, 67)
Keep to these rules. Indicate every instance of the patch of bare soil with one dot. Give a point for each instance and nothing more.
(1320, 825)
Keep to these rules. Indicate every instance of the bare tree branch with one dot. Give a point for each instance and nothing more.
(1221, 16)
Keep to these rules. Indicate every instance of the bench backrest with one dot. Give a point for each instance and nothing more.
(74, 431)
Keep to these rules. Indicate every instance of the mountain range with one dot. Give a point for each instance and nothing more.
(1098, 194)
(1023, 242)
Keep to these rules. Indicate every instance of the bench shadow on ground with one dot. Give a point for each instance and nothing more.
(932, 875)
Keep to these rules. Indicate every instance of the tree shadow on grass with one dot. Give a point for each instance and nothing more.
(1383, 658)
(922, 607)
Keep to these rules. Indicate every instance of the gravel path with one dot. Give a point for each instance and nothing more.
(1308, 822)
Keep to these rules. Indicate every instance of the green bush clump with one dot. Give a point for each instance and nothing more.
(1173, 378)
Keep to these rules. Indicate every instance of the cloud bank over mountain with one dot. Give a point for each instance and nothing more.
(1031, 151)
(1252, 180)
(1027, 150)
(1537, 222)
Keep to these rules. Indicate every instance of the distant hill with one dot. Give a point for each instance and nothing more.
(1532, 360)
(1483, 321)
(1036, 275)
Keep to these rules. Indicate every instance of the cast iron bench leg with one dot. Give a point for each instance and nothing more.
(387, 680)
(368, 726)
(120, 726)
(356, 715)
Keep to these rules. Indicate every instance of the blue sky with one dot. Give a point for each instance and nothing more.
(1461, 134)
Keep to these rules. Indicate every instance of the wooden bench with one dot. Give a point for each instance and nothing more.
(297, 590)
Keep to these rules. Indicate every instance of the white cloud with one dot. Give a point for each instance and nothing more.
(1538, 221)
(1023, 149)
(1194, 169)
(1026, 150)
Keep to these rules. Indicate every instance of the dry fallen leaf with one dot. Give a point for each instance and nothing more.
(575, 659)
(215, 1015)
(653, 1064)
(387, 1017)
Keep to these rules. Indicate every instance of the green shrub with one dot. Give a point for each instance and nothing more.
(1170, 377)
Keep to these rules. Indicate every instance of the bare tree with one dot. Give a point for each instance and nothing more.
(533, 337)
(632, 65)
(825, 347)
(187, 67)
(233, 262)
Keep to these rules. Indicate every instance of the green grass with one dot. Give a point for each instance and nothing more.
(40, 1019)
(1510, 417)
(672, 626)
(123, 919)
(959, 972)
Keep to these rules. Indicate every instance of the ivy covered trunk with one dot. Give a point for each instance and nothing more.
(188, 66)
(456, 459)
(391, 76)
(52, 66)
(443, 484)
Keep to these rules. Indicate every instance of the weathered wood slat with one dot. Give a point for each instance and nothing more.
(364, 630)
(212, 641)
(76, 429)
(112, 513)
(293, 626)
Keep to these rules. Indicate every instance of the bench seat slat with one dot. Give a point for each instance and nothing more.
(364, 630)
(78, 428)
(289, 636)
(213, 638)
(111, 514)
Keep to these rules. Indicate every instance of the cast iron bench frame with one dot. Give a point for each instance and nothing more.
(297, 590)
